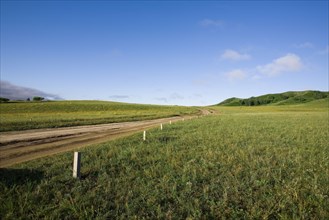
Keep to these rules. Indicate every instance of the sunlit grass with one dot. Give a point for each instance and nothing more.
(234, 165)
(30, 115)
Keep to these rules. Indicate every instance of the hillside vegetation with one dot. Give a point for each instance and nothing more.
(31, 115)
(266, 162)
(287, 98)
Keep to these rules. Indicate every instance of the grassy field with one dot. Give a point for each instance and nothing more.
(246, 163)
(30, 115)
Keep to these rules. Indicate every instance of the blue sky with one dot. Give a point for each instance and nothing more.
(184, 53)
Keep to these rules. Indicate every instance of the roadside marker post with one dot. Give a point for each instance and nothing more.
(77, 165)
(169, 122)
(144, 135)
(161, 126)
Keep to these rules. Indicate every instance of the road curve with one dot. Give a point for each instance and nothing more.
(20, 146)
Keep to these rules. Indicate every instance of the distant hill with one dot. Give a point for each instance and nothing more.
(286, 98)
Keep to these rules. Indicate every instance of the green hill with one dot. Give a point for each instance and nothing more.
(286, 98)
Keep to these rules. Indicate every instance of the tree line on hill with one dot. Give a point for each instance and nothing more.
(35, 99)
(279, 99)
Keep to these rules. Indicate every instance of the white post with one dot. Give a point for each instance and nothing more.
(144, 136)
(161, 126)
(77, 165)
(169, 122)
(183, 119)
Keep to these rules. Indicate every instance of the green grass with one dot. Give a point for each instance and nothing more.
(31, 115)
(247, 163)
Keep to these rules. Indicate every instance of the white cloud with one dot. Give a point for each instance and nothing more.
(304, 45)
(234, 55)
(15, 92)
(236, 74)
(288, 63)
(211, 23)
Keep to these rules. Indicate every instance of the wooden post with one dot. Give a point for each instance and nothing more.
(161, 126)
(144, 136)
(77, 165)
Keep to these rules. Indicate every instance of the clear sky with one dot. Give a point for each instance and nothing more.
(184, 53)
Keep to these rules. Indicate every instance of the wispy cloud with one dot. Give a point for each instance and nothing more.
(14, 92)
(173, 97)
(288, 63)
(115, 53)
(234, 55)
(256, 77)
(305, 45)
(200, 82)
(324, 51)
(119, 97)
(162, 99)
(237, 74)
(176, 96)
(211, 23)
(197, 95)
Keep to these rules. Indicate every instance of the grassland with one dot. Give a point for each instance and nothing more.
(31, 115)
(246, 163)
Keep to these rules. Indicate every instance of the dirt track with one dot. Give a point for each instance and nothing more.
(21, 146)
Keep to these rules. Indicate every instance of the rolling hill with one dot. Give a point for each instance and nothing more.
(286, 98)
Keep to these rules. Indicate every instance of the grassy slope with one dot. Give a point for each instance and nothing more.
(287, 98)
(263, 162)
(321, 105)
(30, 115)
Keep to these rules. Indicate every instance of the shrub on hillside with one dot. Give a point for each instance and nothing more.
(38, 98)
(4, 99)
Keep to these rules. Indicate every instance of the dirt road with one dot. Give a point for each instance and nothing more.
(21, 146)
